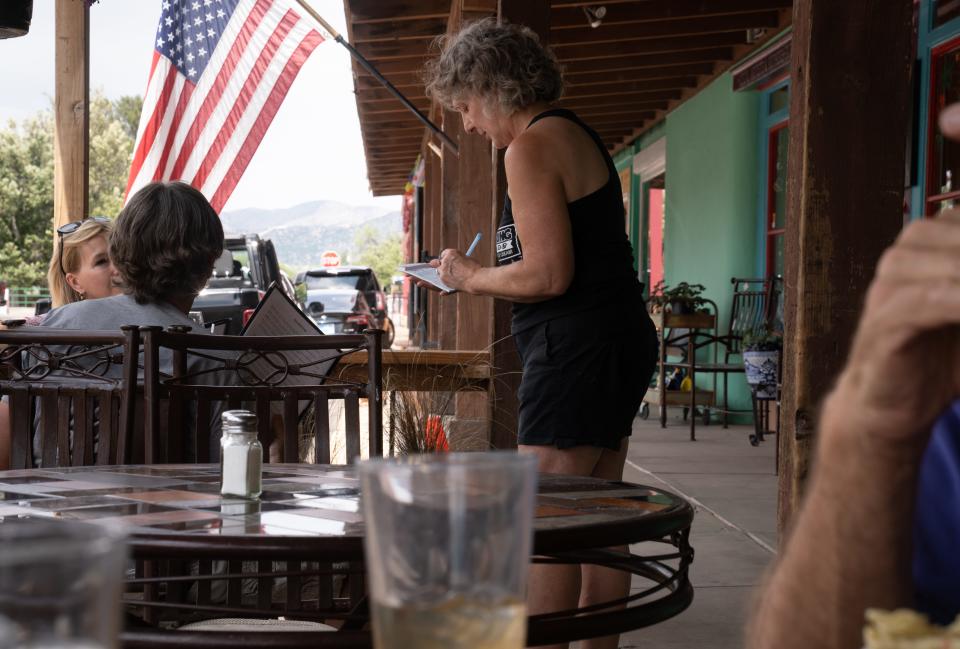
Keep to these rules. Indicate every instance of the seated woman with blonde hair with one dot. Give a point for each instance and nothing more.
(80, 269)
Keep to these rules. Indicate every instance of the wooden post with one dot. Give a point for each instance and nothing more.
(71, 112)
(432, 226)
(505, 382)
(850, 71)
(450, 214)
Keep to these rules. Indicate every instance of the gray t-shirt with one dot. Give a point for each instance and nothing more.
(111, 313)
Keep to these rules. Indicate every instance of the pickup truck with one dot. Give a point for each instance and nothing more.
(240, 277)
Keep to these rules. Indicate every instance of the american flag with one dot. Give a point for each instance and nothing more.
(221, 69)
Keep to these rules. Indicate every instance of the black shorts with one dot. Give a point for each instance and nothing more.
(584, 377)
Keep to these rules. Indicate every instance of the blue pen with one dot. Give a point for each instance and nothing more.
(473, 245)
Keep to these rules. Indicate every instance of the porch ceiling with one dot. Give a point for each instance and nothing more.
(646, 57)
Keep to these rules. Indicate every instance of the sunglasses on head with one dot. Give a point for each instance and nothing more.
(69, 228)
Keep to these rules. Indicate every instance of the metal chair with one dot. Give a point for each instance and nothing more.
(180, 579)
(70, 396)
(754, 309)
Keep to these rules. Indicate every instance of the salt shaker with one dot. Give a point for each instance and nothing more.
(241, 456)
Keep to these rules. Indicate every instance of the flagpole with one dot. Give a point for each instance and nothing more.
(379, 77)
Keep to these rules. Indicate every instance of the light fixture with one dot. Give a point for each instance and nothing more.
(595, 15)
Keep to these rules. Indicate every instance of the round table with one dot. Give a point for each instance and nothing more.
(176, 516)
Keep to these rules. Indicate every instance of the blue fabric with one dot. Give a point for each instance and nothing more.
(936, 554)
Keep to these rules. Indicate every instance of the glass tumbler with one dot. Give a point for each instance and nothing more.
(447, 547)
(60, 585)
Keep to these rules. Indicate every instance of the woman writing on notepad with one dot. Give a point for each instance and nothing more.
(564, 260)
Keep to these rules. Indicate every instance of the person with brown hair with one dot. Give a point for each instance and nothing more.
(163, 245)
(564, 260)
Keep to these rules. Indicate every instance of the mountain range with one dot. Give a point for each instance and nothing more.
(303, 232)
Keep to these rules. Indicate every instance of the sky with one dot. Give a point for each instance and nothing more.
(312, 151)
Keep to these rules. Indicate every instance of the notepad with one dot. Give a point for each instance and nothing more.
(428, 274)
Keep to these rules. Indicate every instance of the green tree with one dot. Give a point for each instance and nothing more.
(383, 254)
(26, 182)
(127, 111)
(26, 199)
(111, 151)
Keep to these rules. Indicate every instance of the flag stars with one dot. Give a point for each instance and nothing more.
(189, 41)
(190, 57)
(211, 33)
(209, 17)
(192, 72)
(160, 41)
(202, 51)
(180, 62)
(195, 6)
(221, 13)
(166, 5)
(197, 21)
(169, 21)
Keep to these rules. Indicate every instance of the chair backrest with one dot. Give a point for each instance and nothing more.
(278, 377)
(752, 310)
(68, 389)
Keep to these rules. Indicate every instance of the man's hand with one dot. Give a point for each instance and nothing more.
(903, 369)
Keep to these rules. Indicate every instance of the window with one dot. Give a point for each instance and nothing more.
(943, 155)
(944, 11)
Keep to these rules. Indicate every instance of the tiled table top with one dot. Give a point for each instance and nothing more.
(303, 501)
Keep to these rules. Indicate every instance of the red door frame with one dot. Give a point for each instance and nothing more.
(772, 231)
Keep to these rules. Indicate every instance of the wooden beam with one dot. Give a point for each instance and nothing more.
(617, 62)
(374, 11)
(738, 53)
(643, 86)
(71, 112)
(641, 74)
(373, 32)
(570, 14)
(449, 225)
(685, 27)
(841, 216)
(580, 52)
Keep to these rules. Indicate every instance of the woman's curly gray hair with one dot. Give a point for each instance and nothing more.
(501, 62)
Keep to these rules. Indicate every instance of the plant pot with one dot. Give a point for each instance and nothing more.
(681, 307)
(762, 369)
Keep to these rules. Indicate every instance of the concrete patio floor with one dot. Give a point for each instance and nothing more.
(734, 491)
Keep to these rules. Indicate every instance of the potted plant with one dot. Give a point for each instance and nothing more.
(761, 361)
(684, 298)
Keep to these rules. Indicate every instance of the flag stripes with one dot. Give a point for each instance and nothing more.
(220, 71)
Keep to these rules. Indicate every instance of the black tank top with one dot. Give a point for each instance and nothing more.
(603, 274)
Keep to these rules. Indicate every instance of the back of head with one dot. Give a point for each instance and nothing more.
(60, 291)
(502, 62)
(165, 241)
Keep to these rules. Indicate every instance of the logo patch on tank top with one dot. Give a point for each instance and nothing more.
(508, 245)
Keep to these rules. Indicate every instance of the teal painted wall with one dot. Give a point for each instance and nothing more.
(710, 232)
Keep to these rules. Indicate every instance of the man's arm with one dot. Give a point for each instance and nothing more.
(850, 544)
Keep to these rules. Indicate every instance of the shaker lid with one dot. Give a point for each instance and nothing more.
(240, 418)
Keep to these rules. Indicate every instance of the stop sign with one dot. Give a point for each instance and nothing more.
(330, 258)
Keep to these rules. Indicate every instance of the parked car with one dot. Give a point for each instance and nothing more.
(346, 299)
(241, 276)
